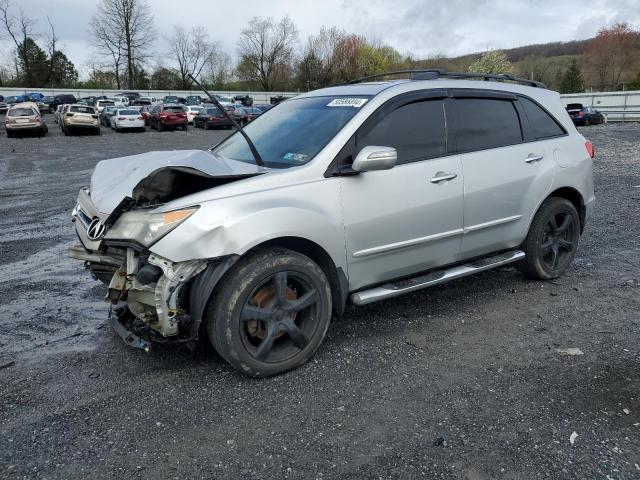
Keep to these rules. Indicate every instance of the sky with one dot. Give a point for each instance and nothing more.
(422, 28)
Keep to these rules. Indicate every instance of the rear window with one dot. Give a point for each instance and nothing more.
(174, 109)
(575, 106)
(81, 109)
(22, 112)
(128, 112)
(541, 123)
(103, 103)
(211, 111)
(484, 123)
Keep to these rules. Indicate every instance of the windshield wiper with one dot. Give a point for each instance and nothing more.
(252, 147)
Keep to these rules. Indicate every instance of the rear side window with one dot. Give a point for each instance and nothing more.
(416, 131)
(541, 123)
(486, 123)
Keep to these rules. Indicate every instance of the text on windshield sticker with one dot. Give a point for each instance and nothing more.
(347, 102)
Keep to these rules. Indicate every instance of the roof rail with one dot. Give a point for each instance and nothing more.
(435, 73)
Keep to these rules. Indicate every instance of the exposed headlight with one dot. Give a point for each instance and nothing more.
(147, 228)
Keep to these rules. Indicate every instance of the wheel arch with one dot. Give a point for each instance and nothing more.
(575, 198)
(336, 276)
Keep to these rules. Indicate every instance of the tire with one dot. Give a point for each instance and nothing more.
(159, 126)
(185, 127)
(10, 134)
(552, 241)
(586, 122)
(264, 347)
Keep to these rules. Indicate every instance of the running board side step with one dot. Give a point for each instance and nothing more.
(400, 287)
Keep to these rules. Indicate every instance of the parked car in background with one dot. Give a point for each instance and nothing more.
(3, 107)
(101, 104)
(62, 99)
(47, 101)
(24, 117)
(57, 115)
(151, 100)
(194, 100)
(192, 111)
(120, 101)
(144, 111)
(105, 115)
(174, 100)
(241, 115)
(582, 115)
(263, 107)
(127, 119)
(211, 117)
(168, 116)
(245, 100)
(252, 113)
(129, 95)
(80, 117)
(11, 100)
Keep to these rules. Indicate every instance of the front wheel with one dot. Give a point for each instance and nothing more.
(271, 313)
(552, 241)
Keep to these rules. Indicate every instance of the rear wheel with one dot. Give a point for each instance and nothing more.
(10, 134)
(552, 241)
(160, 126)
(271, 313)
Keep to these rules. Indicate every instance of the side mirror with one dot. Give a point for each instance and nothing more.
(375, 158)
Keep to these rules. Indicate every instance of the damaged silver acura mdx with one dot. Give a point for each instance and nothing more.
(356, 193)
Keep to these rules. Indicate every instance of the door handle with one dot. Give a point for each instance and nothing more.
(533, 158)
(443, 177)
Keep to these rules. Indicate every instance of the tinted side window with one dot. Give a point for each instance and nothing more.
(486, 123)
(415, 130)
(542, 124)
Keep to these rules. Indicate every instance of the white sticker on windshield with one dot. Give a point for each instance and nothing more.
(295, 157)
(347, 102)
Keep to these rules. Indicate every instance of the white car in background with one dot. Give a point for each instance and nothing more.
(100, 104)
(120, 101)
(127, 119)
(192, 111)
(153, 100)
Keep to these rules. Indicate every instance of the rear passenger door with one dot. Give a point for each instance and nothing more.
(507, 172)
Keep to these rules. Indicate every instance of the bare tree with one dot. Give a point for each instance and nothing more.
(217, 71)
(124, 31)
(611, 53)
(20, 30)
(191, 51)
(266, 50)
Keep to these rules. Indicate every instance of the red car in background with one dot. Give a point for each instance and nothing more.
(168, 116)
(144, 111)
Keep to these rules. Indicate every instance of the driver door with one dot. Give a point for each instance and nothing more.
(409, 218)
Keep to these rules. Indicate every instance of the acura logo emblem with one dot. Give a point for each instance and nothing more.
(96, 229)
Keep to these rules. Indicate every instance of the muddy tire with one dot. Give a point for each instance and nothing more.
(270, 313)
(552, 241)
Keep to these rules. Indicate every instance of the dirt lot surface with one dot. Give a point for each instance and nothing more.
(458, 381)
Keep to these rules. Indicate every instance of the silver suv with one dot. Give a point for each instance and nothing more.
(353, 193)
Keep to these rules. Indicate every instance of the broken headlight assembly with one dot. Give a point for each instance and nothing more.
(146, 228)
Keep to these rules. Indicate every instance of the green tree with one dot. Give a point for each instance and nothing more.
(63, 71)
(635, 85)
(34, 64)
(165, 79)
(493, 62)
(572, 79)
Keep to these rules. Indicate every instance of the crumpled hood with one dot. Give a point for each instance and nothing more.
(117, 178)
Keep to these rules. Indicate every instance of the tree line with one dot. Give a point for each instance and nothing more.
(271, 56)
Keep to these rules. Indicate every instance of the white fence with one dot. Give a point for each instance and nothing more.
(615, 106)
(258, 97)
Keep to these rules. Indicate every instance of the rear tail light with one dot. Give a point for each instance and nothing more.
(122, 118)
(94, 116)
(581, 114)
(140, 118)
(69, 115)
(590, 149)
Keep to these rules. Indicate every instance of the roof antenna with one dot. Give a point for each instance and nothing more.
(217, 103)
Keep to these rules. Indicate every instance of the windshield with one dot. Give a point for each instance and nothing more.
(294, 132)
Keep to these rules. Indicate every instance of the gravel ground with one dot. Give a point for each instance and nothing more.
(458, 381)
